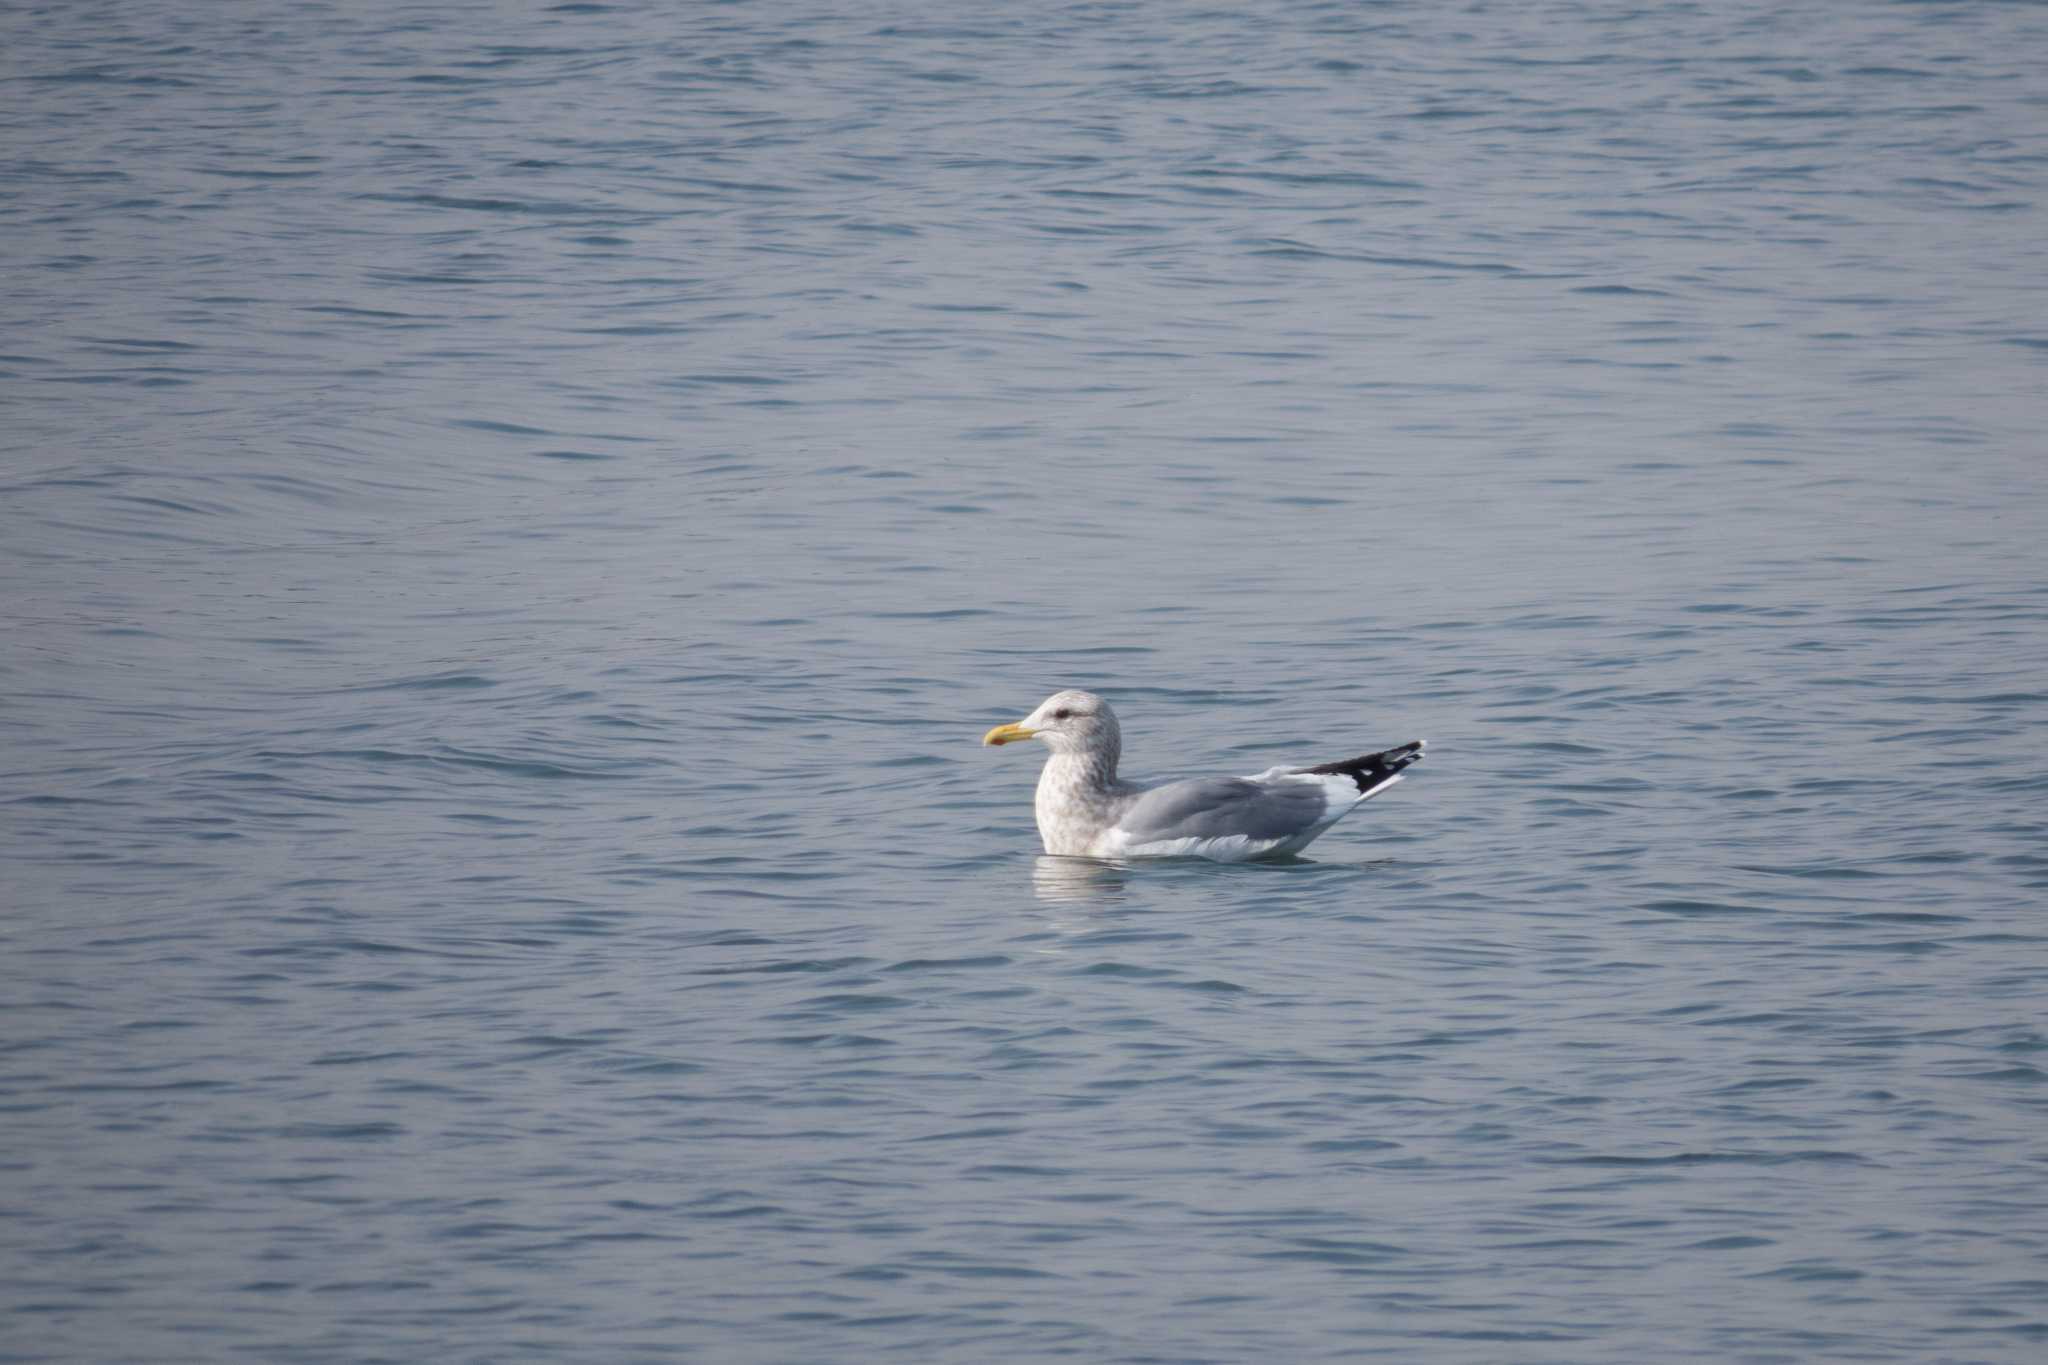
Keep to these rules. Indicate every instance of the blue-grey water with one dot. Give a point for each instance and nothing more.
(513, 519)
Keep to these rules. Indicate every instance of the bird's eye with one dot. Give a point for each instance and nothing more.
(1061, 714)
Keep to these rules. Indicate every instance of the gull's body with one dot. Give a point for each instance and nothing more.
(1085, 810)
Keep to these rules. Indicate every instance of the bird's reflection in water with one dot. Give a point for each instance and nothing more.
(1070, 880)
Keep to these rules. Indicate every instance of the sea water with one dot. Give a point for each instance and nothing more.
(514, 518)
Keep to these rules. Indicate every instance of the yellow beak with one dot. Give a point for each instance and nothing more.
(1007, 734)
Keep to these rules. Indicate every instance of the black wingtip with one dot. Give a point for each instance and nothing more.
(1373, 771)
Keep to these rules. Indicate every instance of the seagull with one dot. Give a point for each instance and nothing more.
(1085, 810)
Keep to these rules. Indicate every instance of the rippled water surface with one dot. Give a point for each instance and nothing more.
(513, 519)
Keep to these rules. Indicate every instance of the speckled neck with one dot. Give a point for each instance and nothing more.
(1094, 766)
(1078, 797)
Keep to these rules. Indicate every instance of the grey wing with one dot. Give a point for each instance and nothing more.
(1219, 807)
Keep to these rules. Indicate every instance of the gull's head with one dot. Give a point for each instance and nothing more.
(1068, 722)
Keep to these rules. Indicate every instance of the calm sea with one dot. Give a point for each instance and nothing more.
(513, 519)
